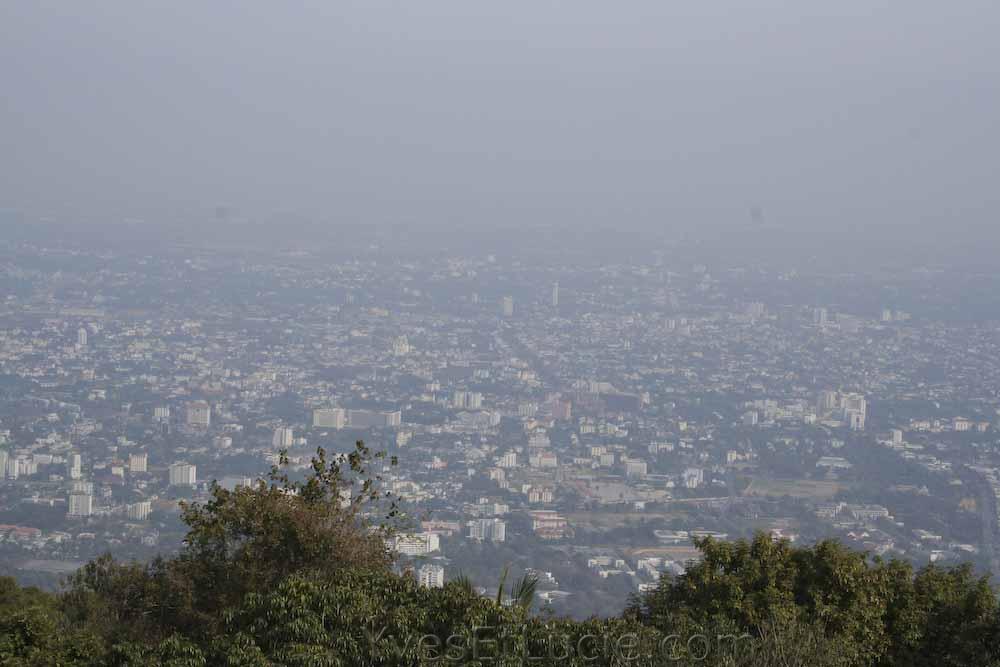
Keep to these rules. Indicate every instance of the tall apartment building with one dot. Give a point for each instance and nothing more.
(138, 462)
(431, 576)
(82, 486)
(13, 467)
(827, 402)
(80, 504)
(488, 530)
(183, 474)
(508, 460)
(330, 418)
(855, 411)
(373, 419)
(199, 413)
(417, 544)
(467, 400)
(74, 466)
(139, 511)
(283, 437)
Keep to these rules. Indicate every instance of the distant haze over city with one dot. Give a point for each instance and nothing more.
(865, 123)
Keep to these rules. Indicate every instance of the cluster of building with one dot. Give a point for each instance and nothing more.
(601, 400)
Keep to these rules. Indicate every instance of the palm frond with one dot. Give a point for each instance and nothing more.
(523, 591)
(465, 584)
(503, 580)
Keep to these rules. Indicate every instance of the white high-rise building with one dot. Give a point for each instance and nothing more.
(431, 576)
(373, 419)
(507, 306)
(199, 413)
(233, 482)
(183, 474)
(508, 460)
(161, 413)
(139, 511)
(855, 411)
(329, 418)
(693, 477)
(26, 466)
(820, 317)
(4, 458)
(13, 468)
(283, 437)
(81, 337)
(417, 544)
(138, 462)
(74, 466)
(82, 486)
(80, 504)
(467, 400)
(488, 530)
(555, 295)
(828, 401)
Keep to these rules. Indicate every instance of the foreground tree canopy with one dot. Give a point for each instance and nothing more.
(297, 573)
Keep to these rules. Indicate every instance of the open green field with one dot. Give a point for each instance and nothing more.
(796, 488)
(611, 520)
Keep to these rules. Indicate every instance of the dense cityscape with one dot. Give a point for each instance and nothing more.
(581, 421)
(440, 333)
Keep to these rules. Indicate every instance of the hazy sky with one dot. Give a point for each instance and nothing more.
(853, 112)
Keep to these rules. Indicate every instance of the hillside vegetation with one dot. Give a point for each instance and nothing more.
(297, 573)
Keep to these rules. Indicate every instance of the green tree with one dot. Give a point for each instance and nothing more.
(244, 541)
(854, 610)
(35, 633)
(943, 616)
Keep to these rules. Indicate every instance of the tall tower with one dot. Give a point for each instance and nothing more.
(74, 466)
(183, 474)
(283, 437)
(138, 462)
(555, 295)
